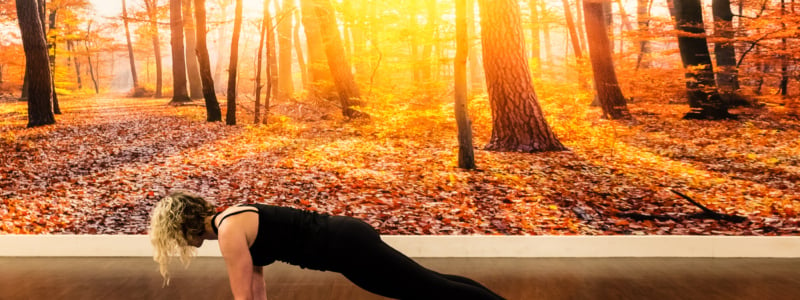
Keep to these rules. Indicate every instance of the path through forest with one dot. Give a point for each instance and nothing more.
(109, 159)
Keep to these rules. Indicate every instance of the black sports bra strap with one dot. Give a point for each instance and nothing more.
(213, 220)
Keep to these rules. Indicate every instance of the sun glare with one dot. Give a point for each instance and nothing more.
(252, 4)
(110, 8)
(107, 8)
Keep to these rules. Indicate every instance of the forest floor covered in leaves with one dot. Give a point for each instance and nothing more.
(102, 167)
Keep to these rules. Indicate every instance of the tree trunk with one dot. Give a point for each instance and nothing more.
(40, 107)
(535, 32)
(546, 33)
(358, 27)
(42, 5)
(286, 84)
(346, 34)
(320, 79)
(623, 14)
(740, 26)
(230, 116)
(784, 83)
(96, 71)
(272, 68)
(239, 62)
(704, 99)
(579, 24)
(71, 48)
(52, 59)
(373, 34)
(213, 111)
(518, 120)
(605, 77)
(151, 6)
(413, 40)
(763, 68)
(223, 51)
(574, 37)
(466, 155)
(259, 58)
(193, 72)
(91, 68)
(179, 92)
(111, 64)
(476, 76)
(26, 80)
(608, 20)
(298, 48)
(643, 19)
(349, 93)
(89, 58)
(24, 95)
(573, 32)
(626, 24)
(147, 68)
(136, 89)
(427, 49)
(727, 76)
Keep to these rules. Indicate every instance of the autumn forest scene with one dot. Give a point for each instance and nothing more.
(490, 117)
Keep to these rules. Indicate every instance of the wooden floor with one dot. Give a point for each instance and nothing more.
(649, 278)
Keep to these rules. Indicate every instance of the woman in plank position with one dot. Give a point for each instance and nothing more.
(255, 235)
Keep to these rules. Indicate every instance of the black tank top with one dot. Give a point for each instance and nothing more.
(289, 235)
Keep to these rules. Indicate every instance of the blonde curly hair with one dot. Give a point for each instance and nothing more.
(175, 217)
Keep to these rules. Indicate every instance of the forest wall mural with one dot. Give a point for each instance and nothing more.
(490, 117)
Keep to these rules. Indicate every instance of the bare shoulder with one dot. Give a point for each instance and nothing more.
(236, 220)
(236, 209)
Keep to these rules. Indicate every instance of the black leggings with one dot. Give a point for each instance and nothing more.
(358, 252)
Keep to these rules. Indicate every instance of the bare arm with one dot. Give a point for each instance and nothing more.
(233, 245)
(259, 288)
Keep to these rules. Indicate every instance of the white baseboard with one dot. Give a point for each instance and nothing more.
(446, 246)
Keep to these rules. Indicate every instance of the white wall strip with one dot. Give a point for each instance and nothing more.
(447, 246)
